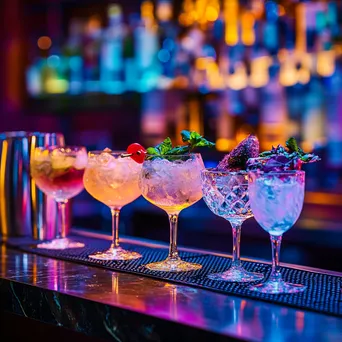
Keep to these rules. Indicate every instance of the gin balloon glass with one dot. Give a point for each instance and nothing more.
(172, 183)
(276, 200)
(226, 195)
(113, 180)
(58, 172)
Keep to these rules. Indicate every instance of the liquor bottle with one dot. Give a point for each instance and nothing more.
(112, 65)
(91, 45)
(73, 52)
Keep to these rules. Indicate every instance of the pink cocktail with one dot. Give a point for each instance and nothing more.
(58, 172)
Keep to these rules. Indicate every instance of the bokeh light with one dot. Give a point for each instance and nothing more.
(44, 43)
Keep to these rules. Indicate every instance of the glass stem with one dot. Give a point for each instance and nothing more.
(236, 228)
(276, 243)
(115, 227)
(173, 252)
(61, 234)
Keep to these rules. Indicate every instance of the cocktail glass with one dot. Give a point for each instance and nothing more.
(276, 200)
(172, 183)
(226, 195)
(113, 180)
(58, 172)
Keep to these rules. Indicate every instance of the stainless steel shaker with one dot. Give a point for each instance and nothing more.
(24, 209)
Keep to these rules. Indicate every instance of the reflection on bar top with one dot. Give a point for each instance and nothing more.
(223, 314)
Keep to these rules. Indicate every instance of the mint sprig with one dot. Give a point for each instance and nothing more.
(281, 158)
(191, 138)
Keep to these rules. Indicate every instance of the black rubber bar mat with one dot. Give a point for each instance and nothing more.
(324, 293)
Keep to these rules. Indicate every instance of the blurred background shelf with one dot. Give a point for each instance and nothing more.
(109, 73)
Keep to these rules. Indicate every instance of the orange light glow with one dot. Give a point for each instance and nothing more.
(211, 13)
(44, 43)
(239, 80)
(300, 27)
(288, 74)
(259, 71)
(195, 122)
(231, 11)
(243, 132)
(247, 26)
(224, 144)
(94, 23)
(303, 75)
(257, 8)
(323, 198)
(164, 11)
(307, 146)
(201, 63)
(147, 14)
(326, 63)
(281, 10)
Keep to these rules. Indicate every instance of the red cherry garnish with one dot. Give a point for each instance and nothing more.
(136, 152)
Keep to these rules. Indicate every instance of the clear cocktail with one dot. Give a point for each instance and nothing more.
(172, 183)
(226, 195)
(276, 200)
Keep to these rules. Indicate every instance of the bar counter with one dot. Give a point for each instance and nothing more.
(98, 303)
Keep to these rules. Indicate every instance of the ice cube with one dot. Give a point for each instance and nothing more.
(60, 161)
(104, 159)
(81, 160)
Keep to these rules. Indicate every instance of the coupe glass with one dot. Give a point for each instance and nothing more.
(113, 180)
(226, 195)
(172, 183)
(276, 200)
(58, 172)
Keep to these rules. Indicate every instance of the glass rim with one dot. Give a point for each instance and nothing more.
(27, 134)
(233, 173)
(73, 148)
(99, 152)
(172, 155)
(284, 172)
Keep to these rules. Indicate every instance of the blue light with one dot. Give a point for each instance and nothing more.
(271, 10)
(168, 44)
(209, 51)
(53, 61)
(75, 63)
(164, 55)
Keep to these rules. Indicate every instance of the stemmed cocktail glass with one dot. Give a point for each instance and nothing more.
(172, 183)
(58, 172)
(113, 180)
(276, 200)
(226, 195)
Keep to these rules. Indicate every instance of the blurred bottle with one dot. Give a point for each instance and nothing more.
(73, 51)
(112, 65)
(91, 53)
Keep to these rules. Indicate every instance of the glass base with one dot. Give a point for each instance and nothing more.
(279, 286)
(236, 274)
(62, 243)
(173, 265)
(116, 254)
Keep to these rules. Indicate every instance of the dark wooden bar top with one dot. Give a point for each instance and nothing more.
(116, 306)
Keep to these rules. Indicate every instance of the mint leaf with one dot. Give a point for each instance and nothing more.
(165, 146)
(292, 145)
(152, 150)
(185, 136)
(204, 143)
(195, 138)
(178, 150)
